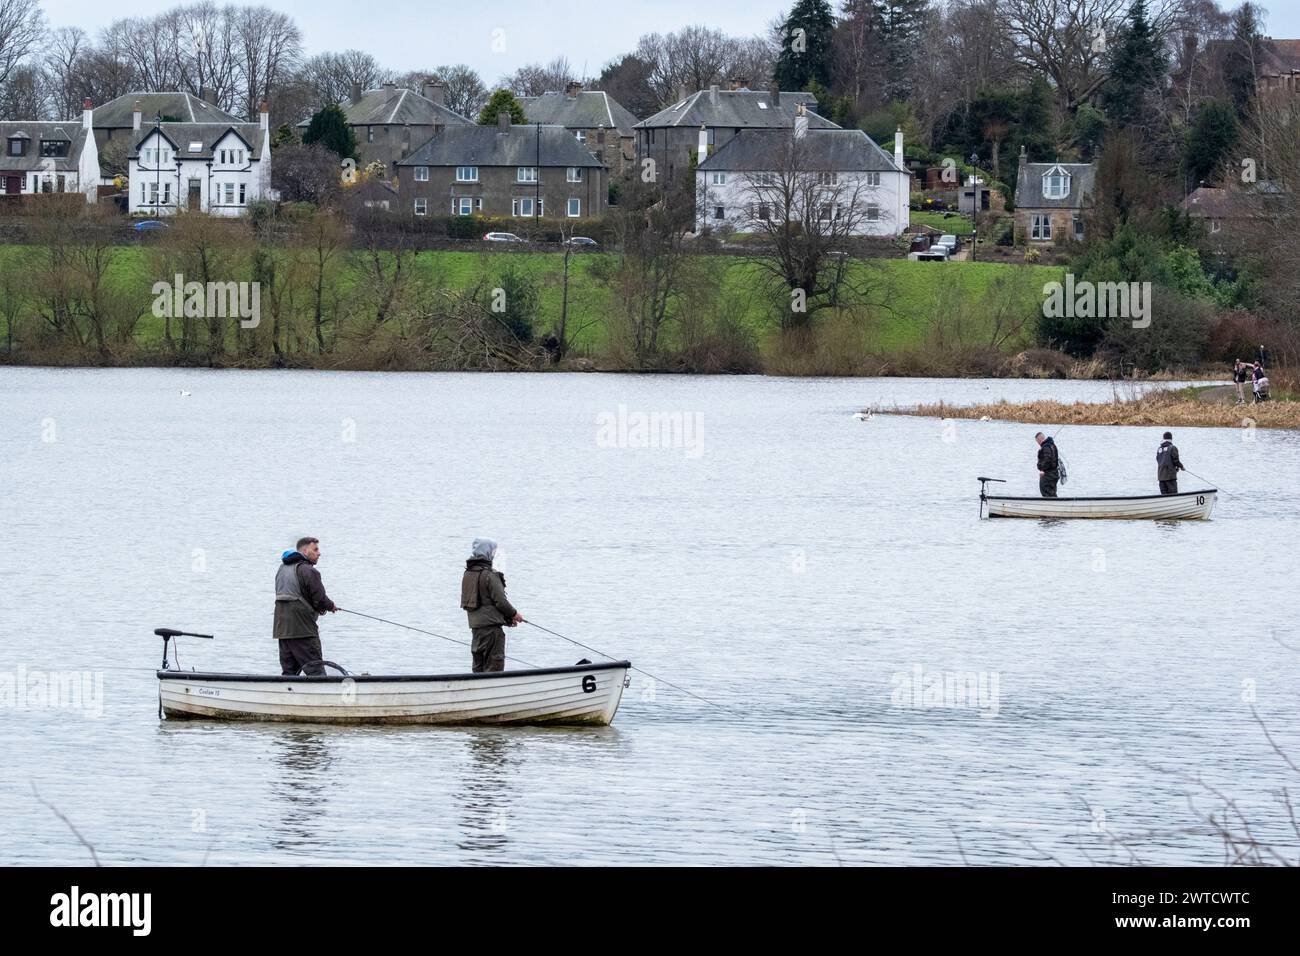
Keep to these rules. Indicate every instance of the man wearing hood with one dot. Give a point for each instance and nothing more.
(483, 598)
(300, 599)
(1049, 465)
(1168, 465)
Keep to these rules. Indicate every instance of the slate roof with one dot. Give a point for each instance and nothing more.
(1029, 185)
(737, 108)
(206, 134)
(489, 146)
(35, 133)
(396, 106)
(588, 109)
(184, 107)
(823, 149)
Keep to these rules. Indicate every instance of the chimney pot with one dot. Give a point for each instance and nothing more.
(135, 115)
(435, 91)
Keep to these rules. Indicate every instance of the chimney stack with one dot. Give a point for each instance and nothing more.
(776, 96)
(264, 116)
(738, 83)
(87, 114)
(703, 152)
(713, 93)
(206, 95)
(435, 91)
(503, 122)
(573, 89)
(356, 93)
(800, 121)
(898, 147)
(135, 117)
(1023, 159)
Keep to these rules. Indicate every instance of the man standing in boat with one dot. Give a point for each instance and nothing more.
(483, 598)
(1168, 465)
(300, 599)
(1049, 466)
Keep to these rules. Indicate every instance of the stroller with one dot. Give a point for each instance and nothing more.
(1261, 389)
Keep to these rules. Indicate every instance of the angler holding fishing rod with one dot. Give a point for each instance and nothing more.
(483, 598)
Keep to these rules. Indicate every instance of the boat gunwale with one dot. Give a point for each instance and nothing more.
(388, 678)
(1180, 494)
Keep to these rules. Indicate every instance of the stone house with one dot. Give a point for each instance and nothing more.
(594, 118)
(503, 170)
(1051, 200)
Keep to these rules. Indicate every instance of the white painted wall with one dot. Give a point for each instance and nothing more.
(736, 195)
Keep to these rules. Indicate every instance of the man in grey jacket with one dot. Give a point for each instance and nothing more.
(1168, 465)
(300, 599)
(483, 598)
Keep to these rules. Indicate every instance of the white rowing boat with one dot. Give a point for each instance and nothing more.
(581, 694)
(1184, 505)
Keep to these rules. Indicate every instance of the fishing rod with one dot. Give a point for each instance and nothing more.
(1207, 481)
(430, 633)
(637, 669)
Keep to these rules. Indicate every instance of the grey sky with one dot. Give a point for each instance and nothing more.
(408, 34)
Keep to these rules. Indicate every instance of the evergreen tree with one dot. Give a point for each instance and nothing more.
(1211, 140)
(805, 46)
(1137, 68)
(1242, 61)
(902, 22)
(502, 101)
(330, 128)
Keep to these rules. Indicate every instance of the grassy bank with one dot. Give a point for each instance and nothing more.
(914, 307)
(1162, 408)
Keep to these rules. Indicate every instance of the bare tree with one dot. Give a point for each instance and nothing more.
(22, 27)
(463, 89)
(332, 75)
(269, 46)
(534, 79)
(808, 213)
(65, 51)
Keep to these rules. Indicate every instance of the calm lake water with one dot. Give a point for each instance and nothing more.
(798, 566)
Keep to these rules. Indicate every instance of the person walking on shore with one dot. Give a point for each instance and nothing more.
(1168, 465)
(1240, 376)
(300, 599)
(483, 598)
(1049, 466)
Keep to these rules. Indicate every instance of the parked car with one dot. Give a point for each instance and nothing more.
(581, 242)
(949, 242)
(501, 237)
(919, 244)
(149, 225)
(933, 254)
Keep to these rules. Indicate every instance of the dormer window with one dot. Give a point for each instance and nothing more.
(1056, 183)
(196, 146)
(57, 148)
(17, 146)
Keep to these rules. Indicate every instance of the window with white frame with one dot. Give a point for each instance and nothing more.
(574, 174)
(153, 194)
(719, 212)
(526, 174)
(466, 174)
(167, 193)
(765, 179)
(522, 207)
(873, 212)
(243, 193)
(762, 212)
(581, 135)
(1078, 229)
(828, 179)
(228, 193)
(421, 206)
(574, 209)
(465, 206)
(1056, 183)
(1040, 226)
(717, 179)
(421, 174)
(370, 134)
(873, 179)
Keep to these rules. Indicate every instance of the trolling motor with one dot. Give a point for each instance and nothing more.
(167, 633)
(983, 482)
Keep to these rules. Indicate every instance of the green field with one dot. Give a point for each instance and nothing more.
(906, 296)
(948, 222)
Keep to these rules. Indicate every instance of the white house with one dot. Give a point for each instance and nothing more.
(217, 168)
(46, 157)
(744, 184)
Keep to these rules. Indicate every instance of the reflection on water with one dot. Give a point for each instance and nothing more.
(485, 792)
(301, 761)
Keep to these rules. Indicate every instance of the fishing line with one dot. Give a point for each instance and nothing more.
(637, 669)
(430, 633)
(1212, 484)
